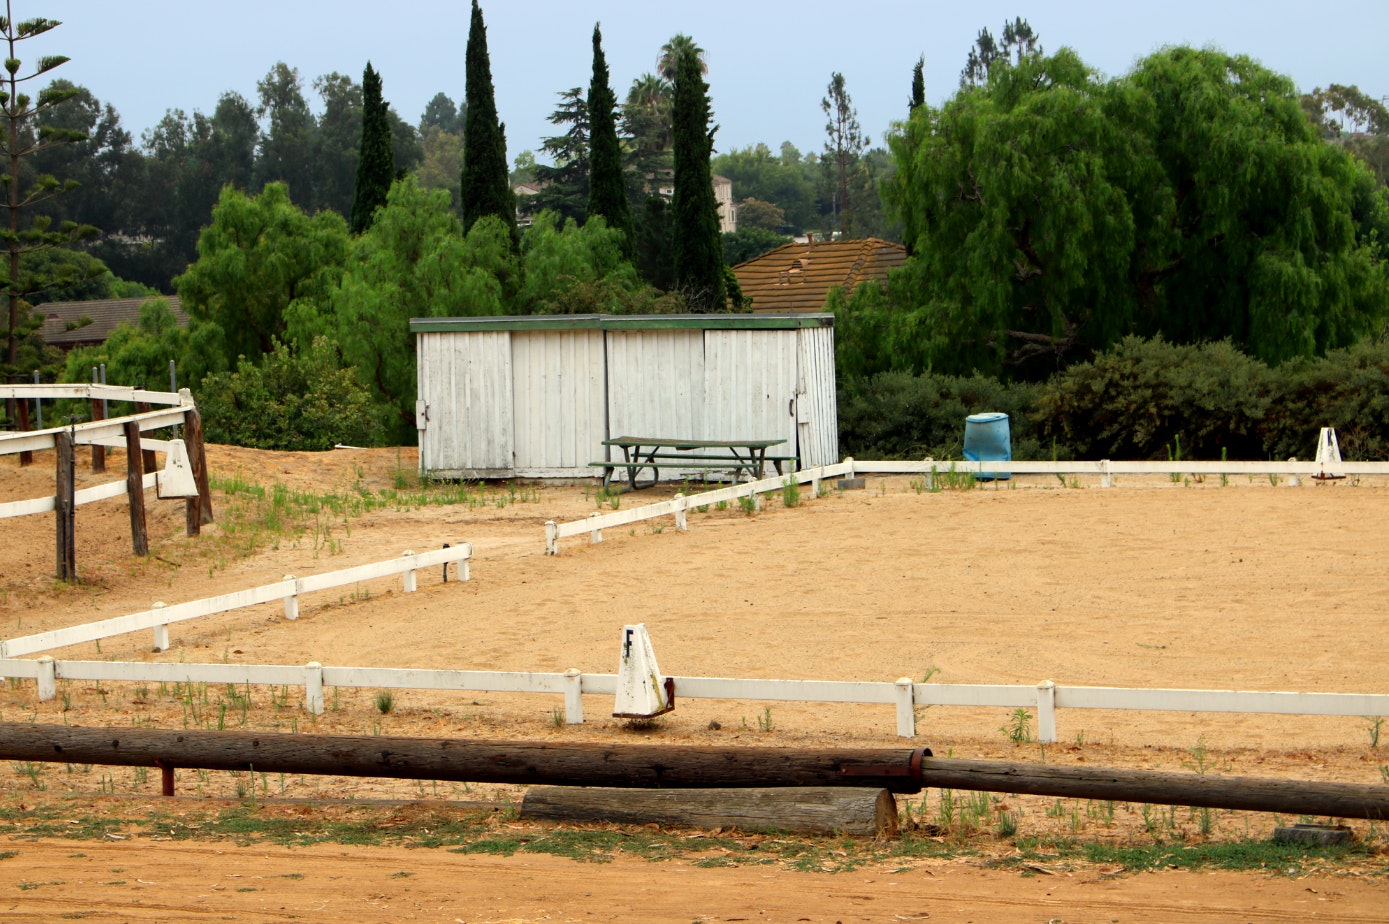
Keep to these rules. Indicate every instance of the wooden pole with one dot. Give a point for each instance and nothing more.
(22, 412)
(65, 507)
(197, 510)
(98, 452)
(854, 811)
(628, 765)
(135, 488)
(142, 407)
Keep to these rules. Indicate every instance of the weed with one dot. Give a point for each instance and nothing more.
(1174, 454)
(945, 816)
(1224, 477)
(557, 717)
(764, 721)
(1376, 725)
(721, 505)
(951, 480)
(1201, 760)
(1007, 824)
(748, 503)
(1384, 773)
(1018, 728)
(920, 484)
(33, 770)
(790, 492)
(1274, 478)
(384, 701)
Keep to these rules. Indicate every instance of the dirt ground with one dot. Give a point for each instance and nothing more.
(1201, 585)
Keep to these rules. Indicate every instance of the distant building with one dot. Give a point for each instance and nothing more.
(728, 211)
(88, 323)
(799, 276)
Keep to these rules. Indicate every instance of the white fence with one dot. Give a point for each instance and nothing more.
(903, 695)
(159, 617)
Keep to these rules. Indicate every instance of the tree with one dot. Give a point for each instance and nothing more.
(337, 140)
(607, 189)
(843, 149)
(673, 51)
(782, 181)
(485, 188)
(443, 160)
(696, 248)
(564, 187)
(375, 165)
(286, 147)
(1190, 198)
(1019, 41)
(23, 139)
(759, 215)
(745, 243)
(258, 257)
(441, 113)
(918, 97)
(558, 257)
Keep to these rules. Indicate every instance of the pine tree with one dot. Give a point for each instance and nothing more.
(376, 163)
(918, 86)
(486, 189)
(20, 140)
(607, 192)
(696, 246)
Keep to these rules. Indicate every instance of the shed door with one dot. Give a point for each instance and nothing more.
(465, 386)
(656, 383)
(750, 386)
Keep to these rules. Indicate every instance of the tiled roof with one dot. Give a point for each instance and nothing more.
(106, 315)
(799, 276)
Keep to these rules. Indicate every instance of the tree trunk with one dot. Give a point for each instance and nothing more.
(808, 810)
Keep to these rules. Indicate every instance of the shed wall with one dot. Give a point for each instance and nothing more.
(560, 411)
(466, 386)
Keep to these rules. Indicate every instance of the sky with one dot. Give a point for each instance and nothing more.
(769, 63)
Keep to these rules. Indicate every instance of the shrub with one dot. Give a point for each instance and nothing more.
(1346, 389)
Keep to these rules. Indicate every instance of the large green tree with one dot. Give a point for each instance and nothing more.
(564, 187)
(607, 188)
(844, 147)
(22, 137)
(1051, 212)
(486, 189)
(286, 147)
(375, 164)
(696, 247)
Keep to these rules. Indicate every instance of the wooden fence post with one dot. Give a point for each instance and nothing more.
(135, 488)
(65, 507)
(22, 413)
(98, 451)
(197, 510)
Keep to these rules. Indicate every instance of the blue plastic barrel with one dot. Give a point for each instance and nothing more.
(987, 439)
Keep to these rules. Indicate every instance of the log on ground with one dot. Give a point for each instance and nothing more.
(824, 810)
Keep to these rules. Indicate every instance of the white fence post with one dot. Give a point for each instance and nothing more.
(408, 581)
(292, 601)
(906, 708)
(313, 687)
(1046, 712)
(815, 482)
(161, 631)
(465, 573)
(573, 700)
(551, 538)
(48, 678)
(681, 505)
(849, 462)
(595, 535)
(1106, 479)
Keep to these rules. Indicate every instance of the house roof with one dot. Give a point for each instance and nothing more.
(106, 315)
(798, 276)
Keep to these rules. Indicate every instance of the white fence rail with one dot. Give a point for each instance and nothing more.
(904, 695)
(159, 617)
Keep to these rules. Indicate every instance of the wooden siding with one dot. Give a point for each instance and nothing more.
(466, 385)
(656, 383)
(750, 386)
(561, 413)
(817, 410)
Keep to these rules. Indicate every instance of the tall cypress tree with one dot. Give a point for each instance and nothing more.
(607, 191)
(376, 163)
(696, 245)
(486, 188)
(918, 86)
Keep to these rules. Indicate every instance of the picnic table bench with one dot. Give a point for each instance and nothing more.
(656, 453)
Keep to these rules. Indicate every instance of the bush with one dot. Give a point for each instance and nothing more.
(303, 400)
(1139, 399)
(897, 415)
(1346, 389)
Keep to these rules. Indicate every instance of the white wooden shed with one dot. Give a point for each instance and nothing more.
(535, 396)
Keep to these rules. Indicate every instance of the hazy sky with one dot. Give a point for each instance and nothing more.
(769, 63)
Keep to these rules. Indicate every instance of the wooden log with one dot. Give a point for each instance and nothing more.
(98, 452)
(65, 507)
(197, 510)
(1255, 794)
(828, 810)
(142, 407)
(532, 763)
(22, 412)
(135, 488)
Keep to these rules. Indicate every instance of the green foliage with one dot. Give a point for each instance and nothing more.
(1346, 389)
(896, 415)
(564, 187)
(294, 400)
(375, 163)
(607, 191)
(138, 354)
(785, 182)
(746, 243)
(260, 255)
(486, 189)
(1136, 400)
(696, 250)
(413, 261)
(555, 259)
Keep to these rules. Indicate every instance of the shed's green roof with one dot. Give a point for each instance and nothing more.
(764, 321)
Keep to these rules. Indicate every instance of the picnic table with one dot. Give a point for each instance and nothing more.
(656, 453)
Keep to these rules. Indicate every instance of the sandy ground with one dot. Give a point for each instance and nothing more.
(1201, 585)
